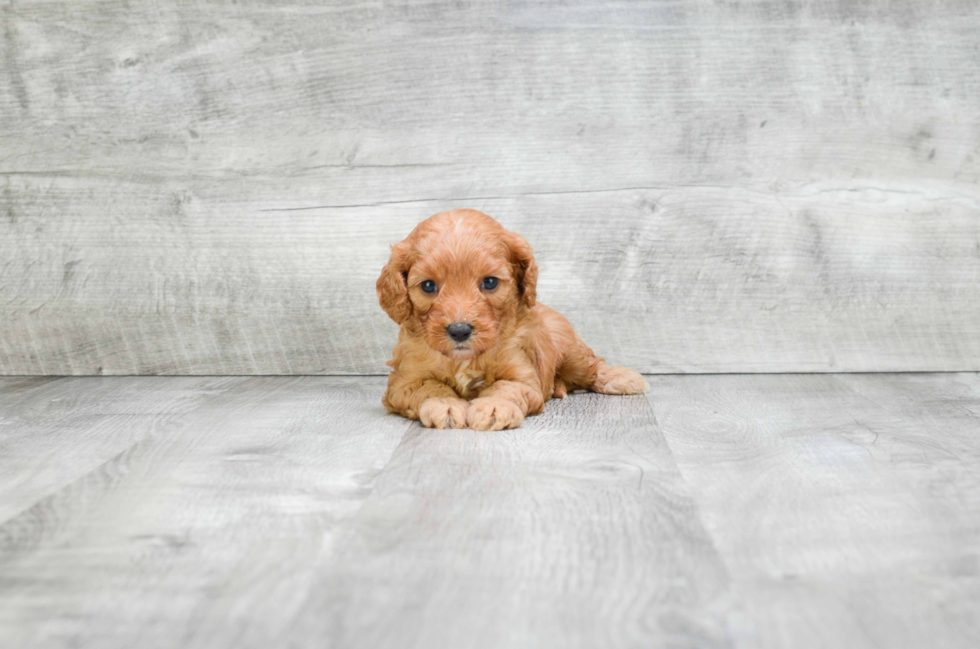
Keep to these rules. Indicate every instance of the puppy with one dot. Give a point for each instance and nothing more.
(475, 348)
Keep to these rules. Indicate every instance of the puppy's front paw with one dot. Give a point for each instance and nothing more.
(489, 413)
(619, 380)
(443, 412)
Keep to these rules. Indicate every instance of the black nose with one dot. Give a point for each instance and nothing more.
(459, 331)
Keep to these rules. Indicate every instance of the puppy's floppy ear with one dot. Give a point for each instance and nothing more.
(392, 287)
(527, 269)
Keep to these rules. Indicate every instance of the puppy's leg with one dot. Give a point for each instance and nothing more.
(504, 404)
(583, 369)
(432, 402)
(560, 388)
(615, 379)
(579, 367)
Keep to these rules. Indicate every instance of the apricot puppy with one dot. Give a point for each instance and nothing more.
(475, 348)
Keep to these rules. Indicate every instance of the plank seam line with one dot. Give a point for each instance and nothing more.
(376, 375)
(601, 190)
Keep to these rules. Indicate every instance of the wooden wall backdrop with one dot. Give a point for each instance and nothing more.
(210, 187)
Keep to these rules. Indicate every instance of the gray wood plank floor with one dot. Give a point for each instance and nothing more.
(732, 510)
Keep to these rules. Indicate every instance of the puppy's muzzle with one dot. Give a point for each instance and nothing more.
(459, 331)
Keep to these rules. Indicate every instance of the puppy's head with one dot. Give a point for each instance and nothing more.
(460, 278)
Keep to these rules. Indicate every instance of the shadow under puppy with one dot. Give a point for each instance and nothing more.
(475, 348)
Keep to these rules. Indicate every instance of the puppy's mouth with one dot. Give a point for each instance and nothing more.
(461, 352)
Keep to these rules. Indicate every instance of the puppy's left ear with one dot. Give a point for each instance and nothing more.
(391, 286)
(527, 269)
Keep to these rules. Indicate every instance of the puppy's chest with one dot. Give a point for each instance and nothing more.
(468, 381)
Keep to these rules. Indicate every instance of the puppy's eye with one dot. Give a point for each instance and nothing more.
(428, 286)
(489, 283)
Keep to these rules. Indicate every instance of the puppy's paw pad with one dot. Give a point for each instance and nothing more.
(488, 413)
(443, 412)
(620, 380)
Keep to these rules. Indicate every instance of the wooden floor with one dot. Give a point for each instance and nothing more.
(729, 510)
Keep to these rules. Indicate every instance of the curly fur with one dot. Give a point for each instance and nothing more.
(520, 353)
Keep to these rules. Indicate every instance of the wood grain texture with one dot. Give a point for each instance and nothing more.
(210, 187)
(846, 508)
(575, 530)
(54, 432)
(732, 511)
(200, 534)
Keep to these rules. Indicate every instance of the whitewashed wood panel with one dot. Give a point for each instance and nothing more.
(665, 280)
(210, 187)
(846, 508)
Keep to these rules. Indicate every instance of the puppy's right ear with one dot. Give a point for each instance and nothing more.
(392, 286)
(526, 267)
